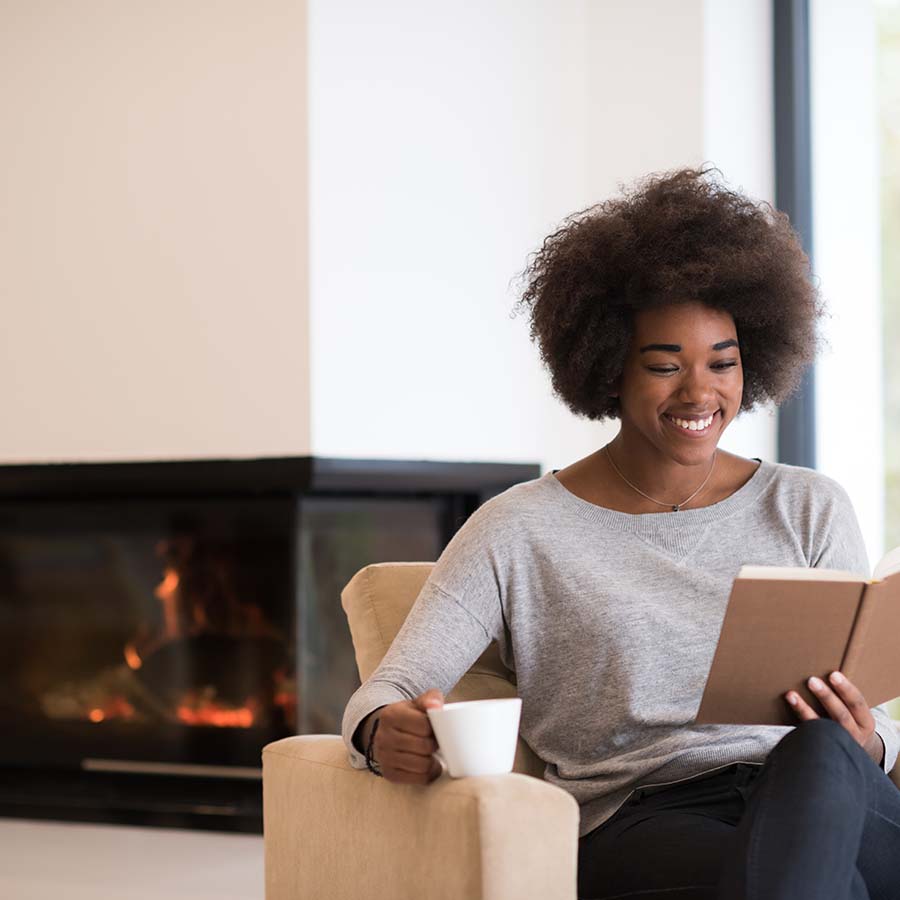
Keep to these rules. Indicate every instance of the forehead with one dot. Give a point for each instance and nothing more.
(680, 323)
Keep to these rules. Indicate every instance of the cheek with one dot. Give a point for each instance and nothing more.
(735, 395)
(643, 398)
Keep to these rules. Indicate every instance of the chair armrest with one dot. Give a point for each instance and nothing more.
(338, 832)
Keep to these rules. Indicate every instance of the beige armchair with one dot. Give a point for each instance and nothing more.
(337, 833)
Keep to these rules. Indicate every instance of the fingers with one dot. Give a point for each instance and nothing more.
(409, 719)
(411, 743)
(407, 759)
(405, 743)
(853, 700)
(413, 763)
(841, 700)
(801, 708)
(431, 698)
(401, 776)
(834, 705)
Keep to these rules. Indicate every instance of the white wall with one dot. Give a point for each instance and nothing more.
(152, 229)
(846, 235)
(444, 147)
(739, 137)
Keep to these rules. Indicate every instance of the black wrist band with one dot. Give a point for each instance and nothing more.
(371, 765)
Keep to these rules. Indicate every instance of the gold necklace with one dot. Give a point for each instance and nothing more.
(675, 507)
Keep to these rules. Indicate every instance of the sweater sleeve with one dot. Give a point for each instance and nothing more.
(842, 547)
(456, 615)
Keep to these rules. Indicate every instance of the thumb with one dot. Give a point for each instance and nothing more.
(431, 699)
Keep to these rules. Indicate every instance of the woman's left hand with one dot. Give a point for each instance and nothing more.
(846, 705)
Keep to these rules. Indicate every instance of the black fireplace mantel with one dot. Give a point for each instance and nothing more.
(262, 475)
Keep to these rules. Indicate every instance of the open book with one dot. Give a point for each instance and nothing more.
(784, 624)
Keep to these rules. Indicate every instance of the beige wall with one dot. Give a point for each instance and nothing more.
(153, 271)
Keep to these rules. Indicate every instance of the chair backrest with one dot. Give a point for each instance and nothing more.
(377, 601)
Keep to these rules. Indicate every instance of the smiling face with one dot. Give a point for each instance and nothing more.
(682, 381)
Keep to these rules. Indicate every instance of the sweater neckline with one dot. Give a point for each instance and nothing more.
(665, 521)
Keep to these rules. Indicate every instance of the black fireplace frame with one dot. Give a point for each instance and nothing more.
(196, 796)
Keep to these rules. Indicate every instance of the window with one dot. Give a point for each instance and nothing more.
(855, 92)
(888, 93)
(850, 421)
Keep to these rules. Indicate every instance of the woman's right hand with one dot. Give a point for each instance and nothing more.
(404, 742)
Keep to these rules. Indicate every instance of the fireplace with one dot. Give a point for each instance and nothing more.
(161, 622)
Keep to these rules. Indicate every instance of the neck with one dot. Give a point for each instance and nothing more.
(660, 476)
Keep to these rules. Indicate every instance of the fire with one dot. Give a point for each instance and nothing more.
(114, 708)
(132, 657)
(168, 585)
(200, 709)
(223, 718)
(176, 665)
(167, 593)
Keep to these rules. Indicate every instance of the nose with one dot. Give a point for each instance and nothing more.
(696, 387)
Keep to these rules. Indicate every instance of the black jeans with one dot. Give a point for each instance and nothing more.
(818, 821)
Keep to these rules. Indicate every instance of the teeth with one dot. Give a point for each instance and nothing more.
(693, 424)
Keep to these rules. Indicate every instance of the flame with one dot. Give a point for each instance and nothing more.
(167, 592)
(132, 657)
(242, 717)
(205, 603)
(115, 708)
(168, 585)
(202, 708)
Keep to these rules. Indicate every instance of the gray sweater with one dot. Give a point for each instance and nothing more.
(610, 621)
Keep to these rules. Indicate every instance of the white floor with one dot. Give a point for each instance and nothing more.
(62, 861)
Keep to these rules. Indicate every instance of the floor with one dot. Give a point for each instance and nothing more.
(51, 861)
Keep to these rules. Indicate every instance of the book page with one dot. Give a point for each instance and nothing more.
(798, 573)
(890, 563)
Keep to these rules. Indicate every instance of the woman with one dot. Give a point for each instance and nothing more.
(671, 308)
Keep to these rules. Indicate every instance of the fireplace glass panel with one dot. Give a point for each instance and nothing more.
(338, 536)
(125, 626)
(186, 630)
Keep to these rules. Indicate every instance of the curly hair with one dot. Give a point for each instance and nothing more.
(673, 237)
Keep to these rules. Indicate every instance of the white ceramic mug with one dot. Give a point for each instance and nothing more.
(477, 737)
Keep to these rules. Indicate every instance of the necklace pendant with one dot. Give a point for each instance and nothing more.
(674, 509)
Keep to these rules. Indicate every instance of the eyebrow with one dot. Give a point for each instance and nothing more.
(676, 348)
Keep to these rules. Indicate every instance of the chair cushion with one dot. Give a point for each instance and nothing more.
(377, 601)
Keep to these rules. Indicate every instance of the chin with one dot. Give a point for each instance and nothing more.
(701, 451)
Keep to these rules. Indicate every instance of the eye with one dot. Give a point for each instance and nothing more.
(728, 364)
(663, 370)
